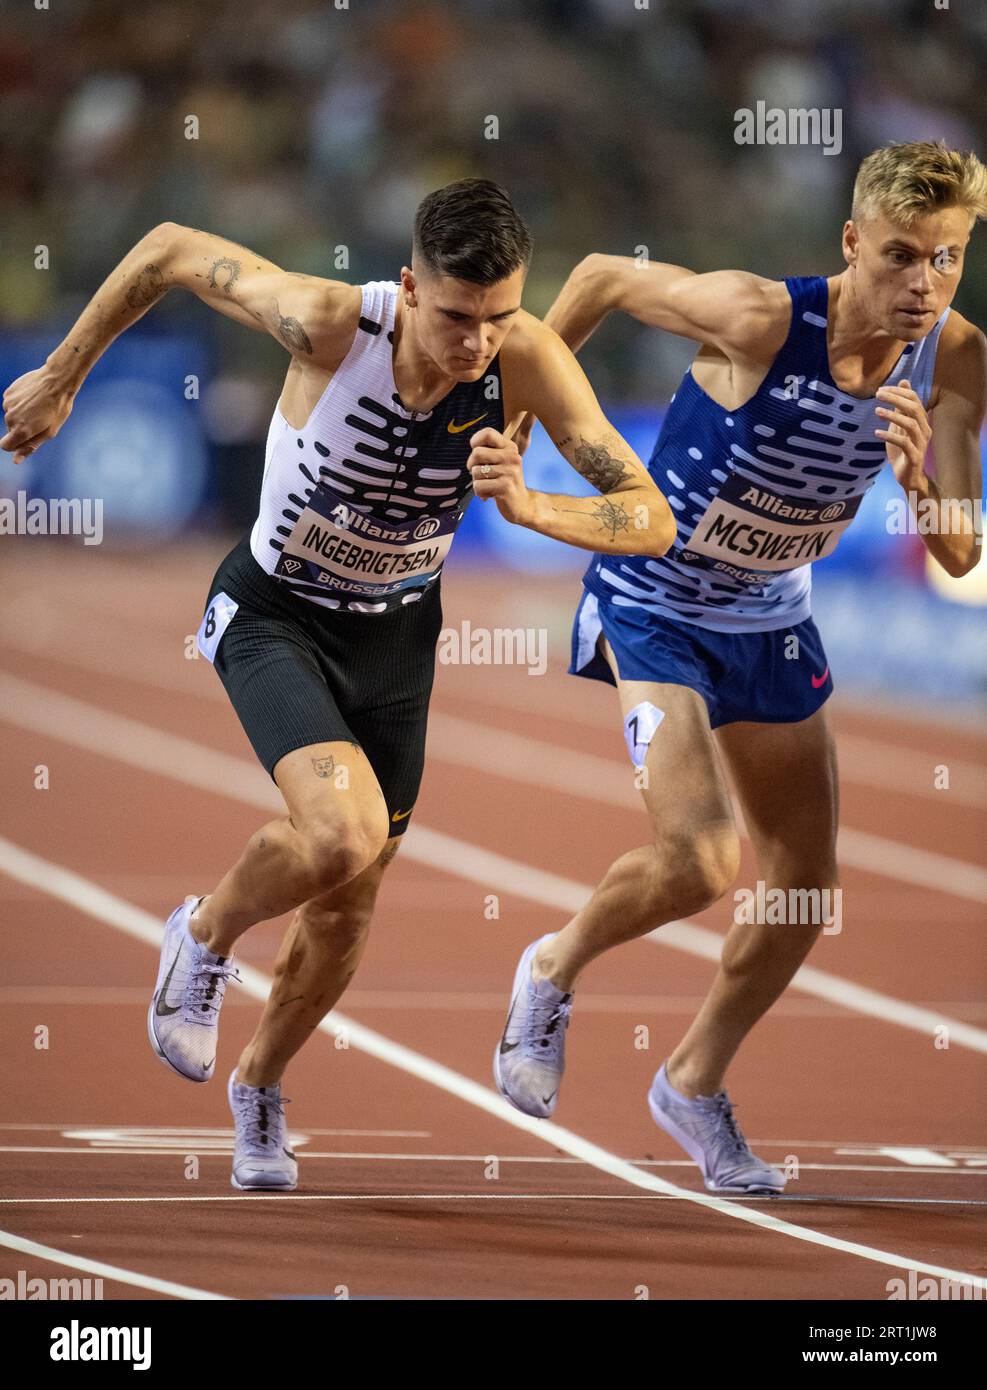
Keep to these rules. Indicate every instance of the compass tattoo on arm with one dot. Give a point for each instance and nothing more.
(611, 517)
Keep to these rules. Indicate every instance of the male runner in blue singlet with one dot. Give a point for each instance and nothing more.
(799, 393)
(322, 623)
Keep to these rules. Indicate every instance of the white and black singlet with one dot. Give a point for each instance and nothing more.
(322, 622)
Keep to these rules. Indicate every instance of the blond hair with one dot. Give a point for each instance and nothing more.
(909, 181)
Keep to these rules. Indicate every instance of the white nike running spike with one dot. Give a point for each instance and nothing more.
(183, 1020)
(261, 1156)
(530, 1058)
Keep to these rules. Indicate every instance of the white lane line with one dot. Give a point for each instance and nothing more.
(863, 761)
(597, 779)
(224, 775)
(85, 896)
(516, 758)
(200, 1134)
(503, 1197)
(589, 704)
(103, 1271)
(550, 890)
(224, 1152)
(188, 1136)
(425, 1001)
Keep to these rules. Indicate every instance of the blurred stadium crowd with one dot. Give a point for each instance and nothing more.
(322, 127)
(322, 123)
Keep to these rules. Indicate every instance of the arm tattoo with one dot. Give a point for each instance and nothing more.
(612, 517)
(324, 767)
(232, 268)
(291, 333)
(598, 466)
(148, 287)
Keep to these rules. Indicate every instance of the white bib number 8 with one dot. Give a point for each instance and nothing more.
(214, 624)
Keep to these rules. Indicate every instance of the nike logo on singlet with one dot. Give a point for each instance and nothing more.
(458, 429)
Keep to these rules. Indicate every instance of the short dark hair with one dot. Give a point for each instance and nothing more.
(472, 231)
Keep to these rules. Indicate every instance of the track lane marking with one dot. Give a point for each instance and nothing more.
(864, 762)
(224, 775)
(84, 896)
(493, 1197)
(104, 1271)
(225, 1152)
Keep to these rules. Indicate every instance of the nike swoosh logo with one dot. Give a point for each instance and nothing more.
(401, 815)
(458, 429)
(506, 1046)
(162, 1008)
(547, 1100)
(818, 681)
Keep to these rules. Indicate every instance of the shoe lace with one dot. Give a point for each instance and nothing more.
(724, 1116)
(544, 1018)
(264, 1117)
(207, 985)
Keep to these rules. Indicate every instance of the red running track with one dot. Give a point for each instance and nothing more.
(411, 1188)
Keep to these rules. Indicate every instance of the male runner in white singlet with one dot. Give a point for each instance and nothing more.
(322, 623)
(800, 391)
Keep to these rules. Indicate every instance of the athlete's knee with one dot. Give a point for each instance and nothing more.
(699, 865)
(339, 848)
(343, 925)
(800, 868)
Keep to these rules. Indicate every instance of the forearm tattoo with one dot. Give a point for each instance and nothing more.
(324, 767)
(223, 274)
(148, 287)
(611, 517)
(598, 466)
(291, 333)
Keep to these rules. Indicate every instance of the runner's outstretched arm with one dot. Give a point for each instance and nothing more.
(732, 310)
(307, 315)
(723, 308)
(630, 517)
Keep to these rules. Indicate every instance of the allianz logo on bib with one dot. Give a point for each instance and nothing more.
(769, 502)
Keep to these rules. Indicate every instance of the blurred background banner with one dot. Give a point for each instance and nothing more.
(310, 130)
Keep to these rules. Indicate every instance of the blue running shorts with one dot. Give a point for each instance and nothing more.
(758, 677)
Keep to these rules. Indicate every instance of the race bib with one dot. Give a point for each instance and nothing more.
(639, 729)
(755, 528)
(214, 623)
(346, 552)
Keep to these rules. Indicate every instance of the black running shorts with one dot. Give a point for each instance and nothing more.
(298, 674)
